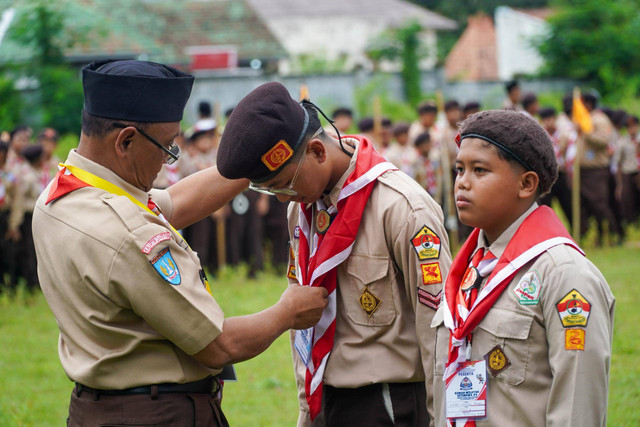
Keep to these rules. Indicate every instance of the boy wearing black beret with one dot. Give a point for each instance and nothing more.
(525, 326)
(367, 233)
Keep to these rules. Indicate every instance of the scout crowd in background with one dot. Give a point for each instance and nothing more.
(254, 224)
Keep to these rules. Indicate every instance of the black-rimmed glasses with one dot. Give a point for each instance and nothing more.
(172, 154)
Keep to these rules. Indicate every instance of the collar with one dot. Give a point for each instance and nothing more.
(497, 248)
(75, 159)
(335, 191)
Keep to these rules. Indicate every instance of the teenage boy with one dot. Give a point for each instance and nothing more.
(525, 324)
(366, 232)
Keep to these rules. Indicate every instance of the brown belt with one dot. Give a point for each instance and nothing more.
(209, 385)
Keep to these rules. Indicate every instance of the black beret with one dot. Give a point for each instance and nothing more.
(547, 112)
(366, 124)
(136, 91)
(519, 137)
(262, 134)
(32, 153)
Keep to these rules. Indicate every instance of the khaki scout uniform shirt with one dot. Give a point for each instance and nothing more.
(595, 145)
(625, 157)
(121, 323)
(545, 384)
(395, 344)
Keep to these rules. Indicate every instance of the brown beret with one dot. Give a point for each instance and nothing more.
(262, 134)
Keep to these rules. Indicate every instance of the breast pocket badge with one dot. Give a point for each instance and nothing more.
(166, 266)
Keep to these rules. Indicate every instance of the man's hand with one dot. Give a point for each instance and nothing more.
(304, 304)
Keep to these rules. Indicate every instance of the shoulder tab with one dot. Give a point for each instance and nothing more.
(131, 215)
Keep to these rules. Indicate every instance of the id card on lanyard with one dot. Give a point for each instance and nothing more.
(466, 391)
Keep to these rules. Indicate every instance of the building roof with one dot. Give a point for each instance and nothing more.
(392, 12)
(474, 57)
(161, 30)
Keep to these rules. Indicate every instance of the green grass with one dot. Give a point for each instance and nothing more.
(34, 390)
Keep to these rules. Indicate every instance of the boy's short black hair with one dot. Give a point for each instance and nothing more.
(632, 120)
(509, 86)
(547, 112)
(471, 106)
(451, 105)
(342, 111)
(520, 134)
(423, 138)
(32, 153)
(400, 128)
(427, 107)
(529, 99)
(590, 99)
(567, 103)
(365, 124)
(204, 108)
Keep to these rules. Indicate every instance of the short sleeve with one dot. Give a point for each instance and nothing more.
(162, 282)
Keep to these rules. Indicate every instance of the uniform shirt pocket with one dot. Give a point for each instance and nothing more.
(368, 294)
(510, 330)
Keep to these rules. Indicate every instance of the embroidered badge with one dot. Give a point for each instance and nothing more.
(471, 279)
(323, 220)
(166, 267)
(527, 291)
(426, 243)
(279, 153)
(369, 301)
(291, 272)
(296, 232)
(497, 361)
(292, 256)
(428, 299)
(574, 339)
(573, 309)
(431, 273)
(153, 242)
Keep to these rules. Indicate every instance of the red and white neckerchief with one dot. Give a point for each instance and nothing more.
(539, 232)
(320, 254)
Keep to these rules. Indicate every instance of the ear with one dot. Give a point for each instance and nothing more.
(529, 182)
(317, 149)
(123, 139)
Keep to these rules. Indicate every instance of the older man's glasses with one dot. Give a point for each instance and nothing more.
(286, 191)
(172, 154)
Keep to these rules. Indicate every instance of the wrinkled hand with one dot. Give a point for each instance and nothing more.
(304, 304)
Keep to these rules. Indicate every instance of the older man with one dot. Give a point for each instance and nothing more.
(140, 333)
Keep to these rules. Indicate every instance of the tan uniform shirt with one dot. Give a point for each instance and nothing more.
(405, 157)
(625, 157)
(595, 145)
(122, 324)
(395, 343)
(545, 383)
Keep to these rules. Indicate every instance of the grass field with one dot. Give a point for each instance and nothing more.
(34, 390)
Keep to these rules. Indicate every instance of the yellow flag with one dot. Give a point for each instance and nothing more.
(579, 113)
(304, 92)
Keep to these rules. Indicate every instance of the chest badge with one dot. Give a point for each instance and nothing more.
(166, 266)
(497, 361)
(369, 301)
(471, 279)
(528, 289)
(323, 220)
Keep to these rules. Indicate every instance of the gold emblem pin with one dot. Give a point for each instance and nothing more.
(497, 361)
(369, 301)
(323, 220)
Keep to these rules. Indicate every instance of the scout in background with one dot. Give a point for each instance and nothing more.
(7, 246)
(401, 153)
(367, 233)
(525, 326)
(342, 119)
(625, 159)
(427, 115)
(426, 172)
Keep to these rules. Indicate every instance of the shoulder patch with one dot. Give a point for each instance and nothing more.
(431, 273)
(429, 299)
(154, 241)
(573, 309)
(426, 244)
(527, 291)
(166, 266)
(574, 339)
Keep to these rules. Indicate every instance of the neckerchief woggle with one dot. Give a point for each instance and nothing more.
(539, 232)
(76, 178)
(320, 255)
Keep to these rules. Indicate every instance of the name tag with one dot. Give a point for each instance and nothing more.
(466, 391)
(302, 344)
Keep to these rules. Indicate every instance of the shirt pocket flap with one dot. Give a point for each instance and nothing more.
(367, 268)
(506, 324)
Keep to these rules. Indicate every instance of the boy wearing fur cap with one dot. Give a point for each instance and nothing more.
(367, 233)
(525, 325)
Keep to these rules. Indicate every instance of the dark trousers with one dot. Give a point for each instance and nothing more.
(630, 202)
(365, 406)
(7, 255)
(26, 256)
(245, 241)
(560, 190)
(277, 233)
(88, 409)
(594, 198)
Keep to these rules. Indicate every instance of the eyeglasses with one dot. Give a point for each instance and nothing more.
(172, 154)
(286, 191)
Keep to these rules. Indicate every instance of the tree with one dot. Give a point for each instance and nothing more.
(595, 41)
(404, 44)
(41, 29)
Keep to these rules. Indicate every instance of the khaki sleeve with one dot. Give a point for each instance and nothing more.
(163, 200)
(424, 269)
(165, 287)
(579, 355)
(601, 134)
